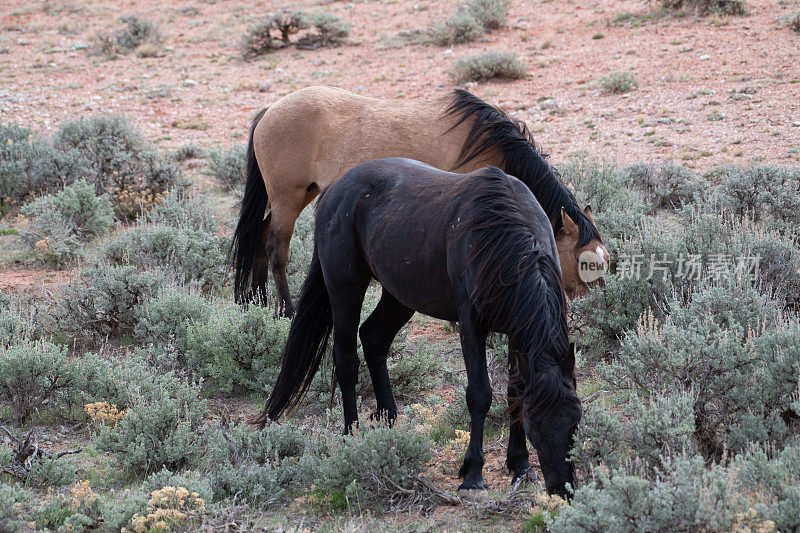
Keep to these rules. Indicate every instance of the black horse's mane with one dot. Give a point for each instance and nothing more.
(493, 128)
(517, 287)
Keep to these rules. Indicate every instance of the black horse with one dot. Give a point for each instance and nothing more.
(474, 248)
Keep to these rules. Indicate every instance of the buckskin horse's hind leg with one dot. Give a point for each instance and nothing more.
(277, 250)
(258, 285)
(377, 333)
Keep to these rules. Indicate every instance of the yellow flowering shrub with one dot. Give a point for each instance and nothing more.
(132, 199)
(104, 413)
(82, 495)
(167, 508)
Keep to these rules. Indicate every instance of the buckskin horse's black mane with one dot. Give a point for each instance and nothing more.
(493, 128)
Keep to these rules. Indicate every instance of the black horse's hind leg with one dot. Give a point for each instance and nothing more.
(479, 399)
(377, 333)
(517, 455)
(346, 295)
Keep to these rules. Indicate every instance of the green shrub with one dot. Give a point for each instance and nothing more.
(136, 33)
(259, 39)
(60, 513)
(620, 81)
(470, 21)
(761, 192)
(33, 375)
(704, 7)
(685, 497)
(267, 446)
(61, 224)
(181, 211)
(99, 378)
(15, 151)
(490, 13)
(50, 472)
(775, 479)
(237, 349)
(165, 318)
(330, 30)
(192, 256)
(730, 349)
(368, 466)
(187, 152)
(118, 161)
(489, 65)
(415, 368)
(641, 429)
(668, 185)
(160, 429)
(258, 485)
(104, 300)
(794, 23)
(267, 463)
(228, 167)
(10, 516)
(119, 506)
(461, 27)
(105, 150)
(15, 326)
(720, 248)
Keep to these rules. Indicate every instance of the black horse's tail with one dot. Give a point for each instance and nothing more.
(250, 228)
(308, 338)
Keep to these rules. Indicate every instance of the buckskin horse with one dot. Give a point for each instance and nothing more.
(309, 138)
(474, 248)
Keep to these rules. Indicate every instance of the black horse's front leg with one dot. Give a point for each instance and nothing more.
(517, 454)
(479, 399)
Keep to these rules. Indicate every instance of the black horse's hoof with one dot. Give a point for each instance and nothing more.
(479, 484)
(383, 416)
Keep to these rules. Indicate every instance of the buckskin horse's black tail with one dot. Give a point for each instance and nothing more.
(305, 348)
(251, 226)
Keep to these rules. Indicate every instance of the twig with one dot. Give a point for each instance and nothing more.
(592, 397)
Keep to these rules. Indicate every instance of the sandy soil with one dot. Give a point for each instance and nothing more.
(200, 91)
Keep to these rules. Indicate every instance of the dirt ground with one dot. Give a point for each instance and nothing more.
(712, 90)
(201, 91)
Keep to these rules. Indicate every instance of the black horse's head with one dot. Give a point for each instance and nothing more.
(552, 411)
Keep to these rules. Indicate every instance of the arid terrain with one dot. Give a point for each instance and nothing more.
(200, 90)
(716, 91)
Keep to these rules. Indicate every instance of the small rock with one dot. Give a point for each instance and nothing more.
(188, 83)
(264, 87)
(705, 58)
(550, 103)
